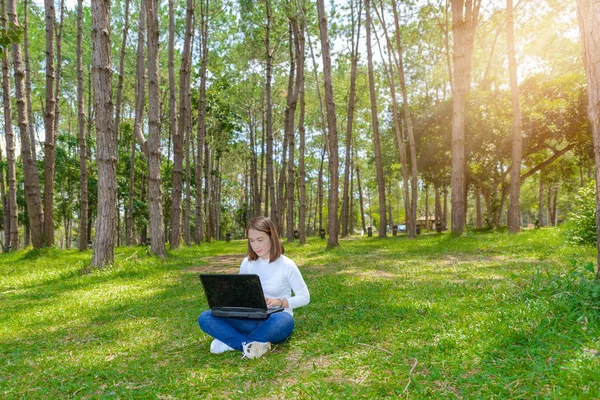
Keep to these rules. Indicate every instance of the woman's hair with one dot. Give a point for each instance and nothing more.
(264, 224)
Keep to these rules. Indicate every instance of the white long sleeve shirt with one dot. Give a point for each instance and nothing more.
(279, 279)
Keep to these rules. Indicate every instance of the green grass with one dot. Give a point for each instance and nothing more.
(486, 315)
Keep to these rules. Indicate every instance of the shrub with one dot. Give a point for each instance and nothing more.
(581, 226)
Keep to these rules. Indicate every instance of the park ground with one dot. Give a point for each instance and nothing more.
(484, 315)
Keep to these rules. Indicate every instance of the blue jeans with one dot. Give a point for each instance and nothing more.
(235, 331)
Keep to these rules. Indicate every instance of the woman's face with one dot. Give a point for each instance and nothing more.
(260, 243)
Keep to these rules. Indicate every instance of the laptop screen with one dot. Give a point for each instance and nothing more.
(233, 290)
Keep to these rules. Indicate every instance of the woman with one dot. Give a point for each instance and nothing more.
(279, 277)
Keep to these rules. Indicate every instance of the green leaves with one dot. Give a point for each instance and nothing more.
(10, 35)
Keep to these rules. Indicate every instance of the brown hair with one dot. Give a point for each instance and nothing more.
(265, 225)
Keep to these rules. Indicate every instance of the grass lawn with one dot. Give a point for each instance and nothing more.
(486, 315)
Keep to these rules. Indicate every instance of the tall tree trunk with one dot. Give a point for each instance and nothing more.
(333, 225)
(541, 201)
(157, 238)
(270, 195)
(479, 215)
(409, 126)
(121, 71)
(28, 82)
(49, 122)
(179, 131)
(464, 23)
(375, 125)
(360, 199)
(325, 137)
(349, 123)
(299, 51)
(106, 137)
(301, 133)
(514, 220)
(10, 207)
(438, 206)
(320, 190)
(140, 101)
(201, 131)
(32, 188)
(83, 181)
(351, 217)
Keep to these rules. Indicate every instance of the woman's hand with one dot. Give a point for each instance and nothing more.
(271, 302)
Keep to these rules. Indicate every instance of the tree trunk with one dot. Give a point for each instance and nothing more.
(32, 188)
(28, 82)
(349, 123)
(179, 131)
(541, 202)
(479, 221)
(514, 217)
(438, 206)
(106, 138)
(10, 207)
(464, 23)
(333, 226)
(83, 180)
(361, 202)
(201, 129)
(301, 134)
(375, 125)
(270, 195)
(291, 176)
(409, 127)
(157, 238)
(49, 121)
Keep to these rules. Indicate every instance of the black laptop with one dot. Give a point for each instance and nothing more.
(236, 296)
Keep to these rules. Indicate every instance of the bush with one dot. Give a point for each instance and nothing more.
(581, 226)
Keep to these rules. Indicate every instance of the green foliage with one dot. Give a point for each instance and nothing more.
(9, 36)
(581, 226)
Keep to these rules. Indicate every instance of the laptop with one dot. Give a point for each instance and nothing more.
(236, 296)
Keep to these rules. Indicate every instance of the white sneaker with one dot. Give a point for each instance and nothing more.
(218, 347)
(255, 349)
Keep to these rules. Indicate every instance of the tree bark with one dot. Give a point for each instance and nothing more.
(49, 121)
(157, 238)
(514, 217)
(32, 187)
(270, 195)
(464, 22)
(361, 201)
(301, 132)
(201, 129)
(106, 138)
(375, 126)
(349, 123)
(10, 207)
(140, 101)
(83, 180)
(184, 113)
(333, 225)
(28, 81)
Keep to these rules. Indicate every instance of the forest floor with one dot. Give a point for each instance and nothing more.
(485, 315)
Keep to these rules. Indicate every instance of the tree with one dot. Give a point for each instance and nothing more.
(201, 129)
(10, 207)
(140, 101)
(49, 123)
(464, 22)
(355, 40)
(183, 126)
(333, 225)
(375, 125)
(514, 215)
(32, 186)
(106, 138)
(588, 13)
(157, 235)
(83, 180)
